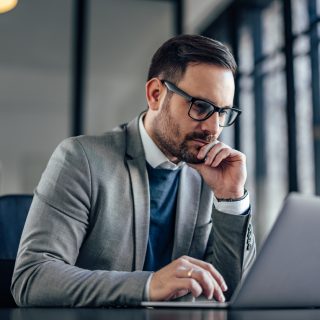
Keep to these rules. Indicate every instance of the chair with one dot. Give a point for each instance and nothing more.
(13, 213)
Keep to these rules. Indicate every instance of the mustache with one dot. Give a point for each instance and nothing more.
(201, 136)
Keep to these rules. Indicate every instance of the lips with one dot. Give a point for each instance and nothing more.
(199, 141)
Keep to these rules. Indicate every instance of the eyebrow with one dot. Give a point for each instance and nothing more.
(212, 102)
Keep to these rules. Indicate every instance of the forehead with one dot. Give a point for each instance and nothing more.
(208, 81)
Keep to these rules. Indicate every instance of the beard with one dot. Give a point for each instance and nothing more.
(168, 136)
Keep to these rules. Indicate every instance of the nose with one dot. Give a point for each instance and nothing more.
(211, 124)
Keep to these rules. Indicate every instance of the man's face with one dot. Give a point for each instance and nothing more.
(177, 135)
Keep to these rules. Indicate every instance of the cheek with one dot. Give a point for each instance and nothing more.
(183, 129)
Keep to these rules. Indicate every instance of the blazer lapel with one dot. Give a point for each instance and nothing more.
(140, 191)
(187, 210)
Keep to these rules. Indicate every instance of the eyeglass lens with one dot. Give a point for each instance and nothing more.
(201, 110)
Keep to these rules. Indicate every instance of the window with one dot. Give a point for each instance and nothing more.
(279, 91)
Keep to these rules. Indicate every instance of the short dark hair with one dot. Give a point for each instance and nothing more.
(172, 58)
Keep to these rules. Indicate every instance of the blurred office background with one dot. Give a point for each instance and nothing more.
(69, 67)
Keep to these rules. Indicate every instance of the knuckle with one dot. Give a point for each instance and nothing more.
(220, 277)
(204, 275)
(208, 274)
(179, 265)
(210, 267)
(181, 261)
(242, 155)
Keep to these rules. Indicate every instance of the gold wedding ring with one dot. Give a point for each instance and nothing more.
(189, 274)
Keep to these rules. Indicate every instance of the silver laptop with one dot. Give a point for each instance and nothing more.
(286, 273)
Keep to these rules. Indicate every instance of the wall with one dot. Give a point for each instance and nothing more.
(35, 76)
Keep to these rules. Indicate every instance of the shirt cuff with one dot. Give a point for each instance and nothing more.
(232, 207)
(147, 288)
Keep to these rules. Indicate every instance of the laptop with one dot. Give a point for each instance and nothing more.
(286, 273)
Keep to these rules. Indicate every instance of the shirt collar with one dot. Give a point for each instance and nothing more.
(154, 156)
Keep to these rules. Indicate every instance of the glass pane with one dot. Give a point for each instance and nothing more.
(227, 135)
(120, 52)
(273, 63)
(272, 186)
(248, 131)
(300, 16)
(304, 114)
(246, 102)
(273, 29)
(246, 62)
(276, 184)
(301, 45)
(35, 89)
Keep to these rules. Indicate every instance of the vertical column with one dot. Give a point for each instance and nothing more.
(78, 64)
(234, 37)
(291, 103)
(260, 124)
(178, 16)
(315, 84)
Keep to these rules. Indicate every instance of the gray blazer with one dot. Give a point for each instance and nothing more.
(85, 238)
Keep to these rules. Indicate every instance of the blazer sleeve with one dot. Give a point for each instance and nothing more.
(231, 246)
(45, 273)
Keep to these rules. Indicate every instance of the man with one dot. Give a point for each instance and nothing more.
(154, 209)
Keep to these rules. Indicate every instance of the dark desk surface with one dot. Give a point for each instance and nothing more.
(156, 314)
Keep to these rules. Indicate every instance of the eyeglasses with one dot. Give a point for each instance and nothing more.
(200, 110)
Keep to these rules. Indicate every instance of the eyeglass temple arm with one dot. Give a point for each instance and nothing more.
(173, 88)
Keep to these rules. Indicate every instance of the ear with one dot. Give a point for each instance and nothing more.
(154, 89)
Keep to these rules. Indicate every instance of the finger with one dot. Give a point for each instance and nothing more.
(202, 276)
(214, 152)
(189, 284)
(209, 285)
(179, 294)
(222, 155)
(232, 156)
(205, 149)
(209, 267)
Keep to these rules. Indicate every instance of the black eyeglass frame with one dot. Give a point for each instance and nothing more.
(173, 88)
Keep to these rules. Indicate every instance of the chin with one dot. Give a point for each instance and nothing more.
(188, 153)
(194, 161)
(190, 158)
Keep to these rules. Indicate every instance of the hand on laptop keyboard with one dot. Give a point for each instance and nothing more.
(187, 275)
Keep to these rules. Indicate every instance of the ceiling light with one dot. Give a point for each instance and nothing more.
(7, 5)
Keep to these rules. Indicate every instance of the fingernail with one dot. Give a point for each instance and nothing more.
(222, 298)
(224, 287)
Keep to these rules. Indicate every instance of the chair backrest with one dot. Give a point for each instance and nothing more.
(13, 213)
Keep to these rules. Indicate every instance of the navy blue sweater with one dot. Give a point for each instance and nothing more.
(163, 186)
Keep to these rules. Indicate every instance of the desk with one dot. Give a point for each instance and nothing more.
(156, 314)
